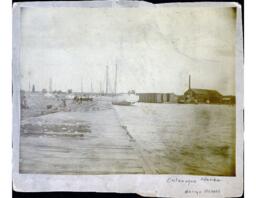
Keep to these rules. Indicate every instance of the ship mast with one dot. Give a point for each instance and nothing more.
(91, 87)
(106, 79)
(82, 90)
(50, 85)
(100, 87)
(28, 85)
(116, 80)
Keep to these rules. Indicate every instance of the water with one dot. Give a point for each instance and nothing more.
(183, 139)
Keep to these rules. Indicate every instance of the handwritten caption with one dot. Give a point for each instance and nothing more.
(193, 182)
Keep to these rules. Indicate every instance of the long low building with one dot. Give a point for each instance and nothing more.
(191, 96)
(158, 97)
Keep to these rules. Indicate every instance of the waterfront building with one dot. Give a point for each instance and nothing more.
(202, 96)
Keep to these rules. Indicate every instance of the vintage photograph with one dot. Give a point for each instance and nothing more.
(128, 90)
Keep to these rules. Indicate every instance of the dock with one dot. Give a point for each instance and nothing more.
(101, 146)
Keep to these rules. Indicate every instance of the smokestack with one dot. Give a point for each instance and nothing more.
(189, 82)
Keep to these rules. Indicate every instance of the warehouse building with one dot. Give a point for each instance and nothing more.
(202, 96)
(157, 97)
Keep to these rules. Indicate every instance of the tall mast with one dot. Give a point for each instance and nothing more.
(106, 79)
(116, 80)
(29, 86)
(82, 88)
(50, 85)
(91, 87)
(100, 87)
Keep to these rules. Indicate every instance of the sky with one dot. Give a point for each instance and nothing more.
(155, 49)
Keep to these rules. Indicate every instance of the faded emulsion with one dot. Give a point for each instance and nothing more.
(128, 91)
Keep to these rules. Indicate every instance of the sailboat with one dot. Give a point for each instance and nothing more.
(126, 99)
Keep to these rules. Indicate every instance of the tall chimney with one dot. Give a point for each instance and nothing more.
(189, 82)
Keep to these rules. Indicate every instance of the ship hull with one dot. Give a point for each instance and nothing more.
(125, 99)
(123, 103)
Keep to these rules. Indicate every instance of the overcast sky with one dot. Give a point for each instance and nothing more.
(155, 49)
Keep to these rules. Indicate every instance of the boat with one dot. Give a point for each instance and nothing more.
(125, 99)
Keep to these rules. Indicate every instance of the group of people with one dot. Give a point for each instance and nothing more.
(80, 99)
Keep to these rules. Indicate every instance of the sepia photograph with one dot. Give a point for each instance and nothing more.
(127, 89)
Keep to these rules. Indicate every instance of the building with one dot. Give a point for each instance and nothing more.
(181, 99)
(172, 98)
(229, 100)
(202, 95)
(157, 97)
(147, 97)
(190, 96)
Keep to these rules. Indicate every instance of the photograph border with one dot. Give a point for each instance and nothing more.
(146, 185)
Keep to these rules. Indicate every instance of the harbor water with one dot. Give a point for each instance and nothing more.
(183, 138)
